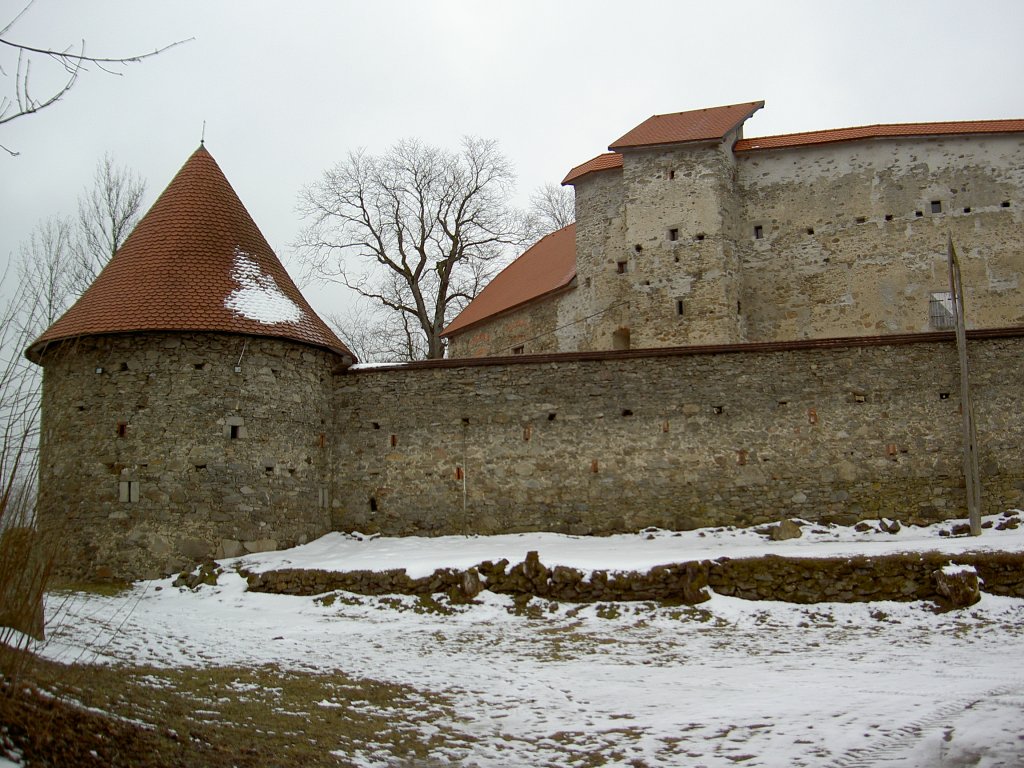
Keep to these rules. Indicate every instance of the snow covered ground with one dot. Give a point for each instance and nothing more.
(725, 683)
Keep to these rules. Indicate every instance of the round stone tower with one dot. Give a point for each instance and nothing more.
(185, 410)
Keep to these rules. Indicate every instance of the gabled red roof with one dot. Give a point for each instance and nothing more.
(545, 267)
(879, 131)
(604, 162)
(696, 125)
(195, 262)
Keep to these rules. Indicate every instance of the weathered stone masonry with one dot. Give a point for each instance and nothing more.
(733, 240)
(182, 423)
(675, 438)
(162, 449)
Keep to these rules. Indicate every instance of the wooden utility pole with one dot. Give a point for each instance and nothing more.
(972, 474)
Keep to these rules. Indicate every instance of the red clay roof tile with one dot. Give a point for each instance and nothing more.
(696, 125)
(548, 265)
(195, 262)
(877, 132)
(604, 162)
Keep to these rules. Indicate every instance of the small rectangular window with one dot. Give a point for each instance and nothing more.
(235, 431)
(758, 232)
(620, 267)
(122, 428)
(673, 234)
(679, 307)
(699, 237)
(940, 311)
(128, 491)
(518, 350)
(936, 206)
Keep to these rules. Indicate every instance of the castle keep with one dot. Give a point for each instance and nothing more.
(687, 233)
(733, 331)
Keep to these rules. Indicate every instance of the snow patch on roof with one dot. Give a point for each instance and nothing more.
(258, 296)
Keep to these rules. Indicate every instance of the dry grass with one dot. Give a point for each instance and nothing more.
(26, 561)
(138, 716)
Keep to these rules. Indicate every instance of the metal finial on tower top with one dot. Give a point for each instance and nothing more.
(202, 138)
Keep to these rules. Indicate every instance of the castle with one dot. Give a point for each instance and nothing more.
(735, 330)
(688, 233)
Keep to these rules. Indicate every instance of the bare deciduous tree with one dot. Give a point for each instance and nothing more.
(22, 102)
(377, 335)
(417, 230)
(107, 213)
(62, 256)
(552, 207)
(47, 275)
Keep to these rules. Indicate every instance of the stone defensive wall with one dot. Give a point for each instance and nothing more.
(595, 443)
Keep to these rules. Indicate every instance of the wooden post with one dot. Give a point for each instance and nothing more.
(972, 473)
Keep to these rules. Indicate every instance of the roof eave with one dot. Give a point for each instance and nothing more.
(571, 180)
(563, 288)
(878, 135)
(37, 350)
(620, 148)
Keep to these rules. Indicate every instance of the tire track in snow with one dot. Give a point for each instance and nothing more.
(905, 736)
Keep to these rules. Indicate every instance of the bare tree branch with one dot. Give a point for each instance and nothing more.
(74, 62)
(62, 255)
(107, 213)
(416, 230)
(552, 207)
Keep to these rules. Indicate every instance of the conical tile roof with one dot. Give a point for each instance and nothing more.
(195, 262)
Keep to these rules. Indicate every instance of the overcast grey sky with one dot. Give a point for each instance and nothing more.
(288, 88)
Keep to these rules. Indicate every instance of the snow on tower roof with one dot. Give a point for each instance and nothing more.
(195, 262)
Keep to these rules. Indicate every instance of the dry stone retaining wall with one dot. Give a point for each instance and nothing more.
(794, 580)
